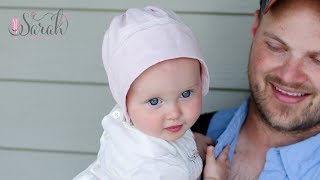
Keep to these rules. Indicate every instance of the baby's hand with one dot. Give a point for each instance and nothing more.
(216, 169)
(202, 142)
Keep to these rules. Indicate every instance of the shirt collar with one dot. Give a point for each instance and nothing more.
(230, 135)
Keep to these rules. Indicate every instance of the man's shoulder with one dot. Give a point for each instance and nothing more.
(224, 115)
(220, 121)
(203, 122)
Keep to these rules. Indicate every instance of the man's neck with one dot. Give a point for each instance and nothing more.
(255, 139)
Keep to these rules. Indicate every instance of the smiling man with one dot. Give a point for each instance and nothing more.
(275, 133)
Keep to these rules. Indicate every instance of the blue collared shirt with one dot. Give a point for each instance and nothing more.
(299, 161)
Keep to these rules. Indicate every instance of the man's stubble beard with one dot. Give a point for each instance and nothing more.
(303, 119)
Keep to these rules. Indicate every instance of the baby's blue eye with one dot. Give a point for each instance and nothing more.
(186, 94)
(153, 101)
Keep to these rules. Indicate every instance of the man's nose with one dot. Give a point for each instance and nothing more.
(293, 71)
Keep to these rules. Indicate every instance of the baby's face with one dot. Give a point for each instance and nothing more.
(166, 99)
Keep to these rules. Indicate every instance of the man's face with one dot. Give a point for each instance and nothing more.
(284, 68)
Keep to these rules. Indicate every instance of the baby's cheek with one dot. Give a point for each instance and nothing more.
(194, 113)
(153, 123)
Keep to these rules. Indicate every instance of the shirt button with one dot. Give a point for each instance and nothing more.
(116, 114)
(96, 167)
(106, 135)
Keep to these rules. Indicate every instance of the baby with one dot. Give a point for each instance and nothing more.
(157, 77)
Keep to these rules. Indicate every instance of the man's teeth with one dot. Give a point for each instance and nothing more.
(289, 93)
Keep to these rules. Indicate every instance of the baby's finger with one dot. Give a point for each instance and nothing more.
(210, 153)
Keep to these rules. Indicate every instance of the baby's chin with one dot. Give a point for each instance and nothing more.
(173, 136)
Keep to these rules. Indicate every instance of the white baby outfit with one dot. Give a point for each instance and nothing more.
(128, 154)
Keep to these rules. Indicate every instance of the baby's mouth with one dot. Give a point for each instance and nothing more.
(174, 129)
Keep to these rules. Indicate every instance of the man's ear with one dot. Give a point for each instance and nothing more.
(255, 24)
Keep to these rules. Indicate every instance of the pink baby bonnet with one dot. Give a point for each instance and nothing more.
(140, 38)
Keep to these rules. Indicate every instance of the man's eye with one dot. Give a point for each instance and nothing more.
(153, 101)
(275, 47)
(316, 59)
(186, 94)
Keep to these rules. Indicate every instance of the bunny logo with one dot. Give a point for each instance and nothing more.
(15, 25)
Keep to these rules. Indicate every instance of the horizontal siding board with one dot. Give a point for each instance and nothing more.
(52, 116)
(28, 165)
(64, 117)
(76, 57)
(206, 6)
